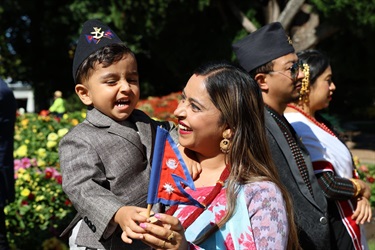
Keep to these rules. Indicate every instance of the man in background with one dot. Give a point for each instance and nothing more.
(269, 57)
(8, 108)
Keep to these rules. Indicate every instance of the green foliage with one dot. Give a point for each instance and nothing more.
(38, 136)
(132, 20)
(371, 244)
(170, 39)
(202, 4)
(357, 12)
(41, 209)
(73, 103)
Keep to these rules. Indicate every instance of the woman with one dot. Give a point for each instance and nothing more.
(348, 197)
(221, 119)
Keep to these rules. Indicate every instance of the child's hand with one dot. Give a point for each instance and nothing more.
(128, 217)
(191, 161)
(195, 170)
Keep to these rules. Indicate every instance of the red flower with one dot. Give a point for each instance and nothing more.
(44, 113)
(370, 179)
(59, 179)
(67, 202)
(48, 174)
(31, 196)
(161, 107)
(24, 203)
(363, 168)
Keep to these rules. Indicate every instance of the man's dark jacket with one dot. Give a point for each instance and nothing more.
(310, 212)
(8, 108)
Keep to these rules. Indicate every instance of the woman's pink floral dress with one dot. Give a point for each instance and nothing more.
(259, 222)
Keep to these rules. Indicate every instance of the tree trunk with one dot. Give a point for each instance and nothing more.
(246, 23)
(289, 12)
(272, 11)
(304, 36)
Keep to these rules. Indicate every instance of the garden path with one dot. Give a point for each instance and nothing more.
(364, 155)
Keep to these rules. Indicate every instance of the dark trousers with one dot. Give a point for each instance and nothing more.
(3, 231)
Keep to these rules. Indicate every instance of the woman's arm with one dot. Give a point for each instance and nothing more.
(268, 215)
(337, 188)
(334, 187)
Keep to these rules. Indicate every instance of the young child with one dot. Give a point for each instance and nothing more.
(105, 160)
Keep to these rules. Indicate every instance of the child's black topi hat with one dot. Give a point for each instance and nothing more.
(94, 36)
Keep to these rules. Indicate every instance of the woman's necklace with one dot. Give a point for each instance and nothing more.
(207, 201)
(319, 124)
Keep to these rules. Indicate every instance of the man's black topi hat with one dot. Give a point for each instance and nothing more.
(262, 46)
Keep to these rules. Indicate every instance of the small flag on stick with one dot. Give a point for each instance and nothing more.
(169, 174)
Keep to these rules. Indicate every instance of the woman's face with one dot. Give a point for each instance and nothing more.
(321, 91)
(198, 119)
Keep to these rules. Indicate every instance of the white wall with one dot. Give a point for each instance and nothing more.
(23, 92)
(28, 95)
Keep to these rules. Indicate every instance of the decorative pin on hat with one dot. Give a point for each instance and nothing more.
(262, 46)
(94, 36)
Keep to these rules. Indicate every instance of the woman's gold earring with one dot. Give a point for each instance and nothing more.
(225, 143)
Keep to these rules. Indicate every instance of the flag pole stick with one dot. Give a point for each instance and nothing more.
(149, 210)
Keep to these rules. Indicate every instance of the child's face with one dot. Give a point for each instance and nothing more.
(113, 90)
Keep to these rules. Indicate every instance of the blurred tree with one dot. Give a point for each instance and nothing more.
(343, 29)
(171, 38)
(34, 45)
(309, 22)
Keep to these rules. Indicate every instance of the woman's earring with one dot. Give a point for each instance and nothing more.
(225, 143)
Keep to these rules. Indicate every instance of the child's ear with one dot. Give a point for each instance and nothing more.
(83, 94)
(261, 79)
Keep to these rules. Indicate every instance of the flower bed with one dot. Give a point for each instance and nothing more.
(161, 108)
(41, 209)
(366, 173)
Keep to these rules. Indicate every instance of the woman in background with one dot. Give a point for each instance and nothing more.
(347, 196)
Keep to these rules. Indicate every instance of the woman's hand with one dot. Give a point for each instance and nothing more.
(365, 189)
(363, 212)
(167, 233)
